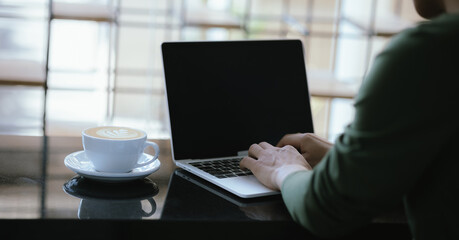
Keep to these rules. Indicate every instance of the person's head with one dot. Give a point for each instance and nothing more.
(433, 8)
(430, 8)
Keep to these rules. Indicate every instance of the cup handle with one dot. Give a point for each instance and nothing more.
(156, 147)
(153, 208)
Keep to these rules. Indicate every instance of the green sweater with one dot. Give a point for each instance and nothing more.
(402, 145)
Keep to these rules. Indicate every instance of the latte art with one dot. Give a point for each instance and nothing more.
(117, 133)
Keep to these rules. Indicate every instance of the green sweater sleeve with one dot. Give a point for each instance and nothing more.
(398, 130)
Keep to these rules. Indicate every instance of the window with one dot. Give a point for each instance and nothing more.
(104, 63)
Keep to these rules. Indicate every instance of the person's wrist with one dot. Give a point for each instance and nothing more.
(283, 172)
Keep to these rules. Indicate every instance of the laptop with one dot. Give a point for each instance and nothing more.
(223, 96)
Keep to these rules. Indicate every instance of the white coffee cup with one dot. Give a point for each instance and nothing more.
(116, 149)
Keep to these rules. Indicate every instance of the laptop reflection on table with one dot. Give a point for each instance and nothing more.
(192, 198)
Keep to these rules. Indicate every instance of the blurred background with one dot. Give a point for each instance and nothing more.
(66, 65)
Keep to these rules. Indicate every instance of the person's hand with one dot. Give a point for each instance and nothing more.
(271, 165)
(312, 147)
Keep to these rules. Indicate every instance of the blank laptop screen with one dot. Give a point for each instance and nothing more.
(224, 96)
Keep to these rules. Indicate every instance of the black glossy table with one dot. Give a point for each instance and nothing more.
(40, 196)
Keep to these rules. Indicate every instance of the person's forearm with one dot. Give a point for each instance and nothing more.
(293, 190)
(307, 212)
(314, 201)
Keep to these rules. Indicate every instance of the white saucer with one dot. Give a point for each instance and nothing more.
(80, 164)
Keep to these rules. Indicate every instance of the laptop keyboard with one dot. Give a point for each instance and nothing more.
(222, 168)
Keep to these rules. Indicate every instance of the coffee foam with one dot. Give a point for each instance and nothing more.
(114, 133)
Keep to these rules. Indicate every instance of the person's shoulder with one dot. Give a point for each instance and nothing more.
(446, 25)
(416, 56)
(430, 36)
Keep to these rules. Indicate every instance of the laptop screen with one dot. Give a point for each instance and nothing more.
(225, 96)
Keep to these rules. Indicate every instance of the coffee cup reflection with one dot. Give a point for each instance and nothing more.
(100, 200)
